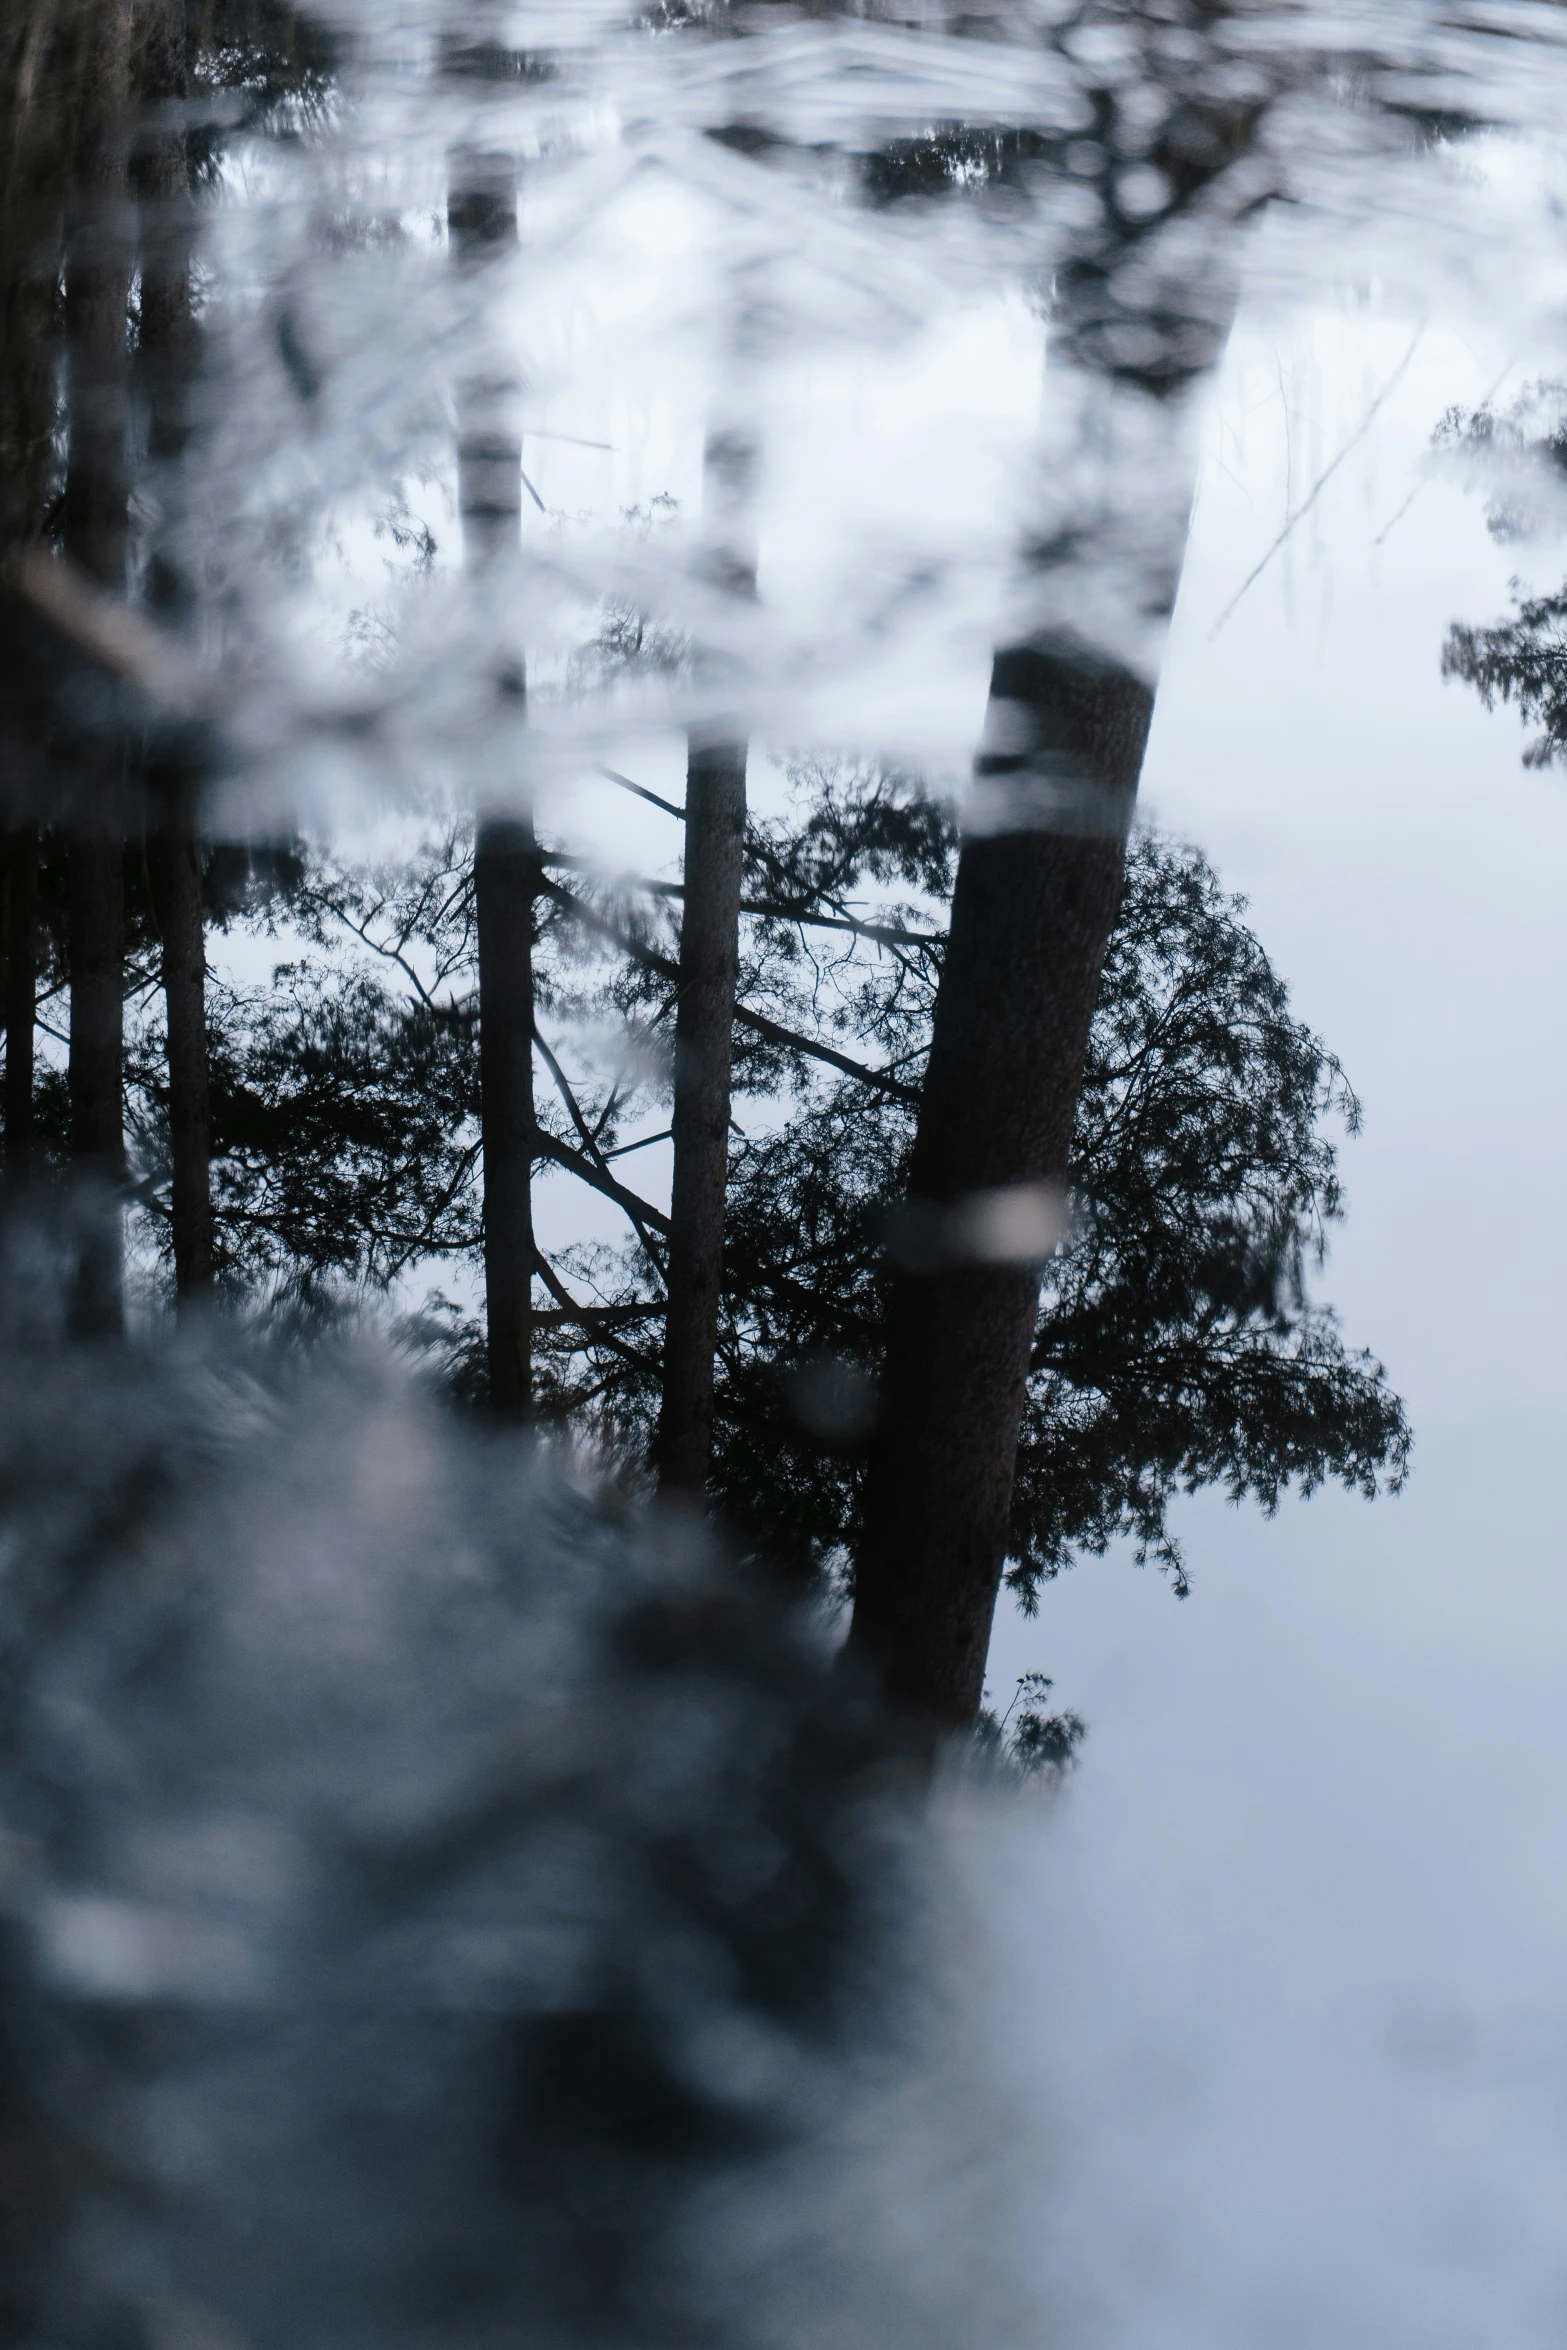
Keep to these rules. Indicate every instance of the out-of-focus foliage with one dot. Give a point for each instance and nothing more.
(429, 1894)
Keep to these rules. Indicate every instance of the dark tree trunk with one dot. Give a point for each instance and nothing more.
(175, 856)
(21, 993)
(704, 1029)
(94, 520)
(29, 279)
(506, 878)
(167, 343)
(97, 948)
(1039, 881)
(97, 278)
(167, 368)
(482, 223)
(1031, 916)
(705, 1004)
(30, 260)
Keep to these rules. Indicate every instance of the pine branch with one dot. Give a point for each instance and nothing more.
(592, 1317)
(569, 1312)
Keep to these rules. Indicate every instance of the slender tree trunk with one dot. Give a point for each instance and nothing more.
(482, 222)
(97, 949)
(704, 1029)
(168, 341)
(705, 1010)
(1031, 917)
(506, 882)
(1039, 880)
(30, 258)
(168, 361)
(97, 277)
(96, 286)
(21, 993)
(176, 863)
(30, 133)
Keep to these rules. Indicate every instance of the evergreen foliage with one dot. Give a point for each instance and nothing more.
(1518, 457)
(1178, 1343)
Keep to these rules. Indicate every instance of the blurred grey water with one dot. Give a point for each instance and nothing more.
(438, 1907)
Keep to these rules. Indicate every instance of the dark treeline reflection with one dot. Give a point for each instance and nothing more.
(1002, 1167)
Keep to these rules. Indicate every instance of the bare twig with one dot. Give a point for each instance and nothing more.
(643, 793)
(1321, 482)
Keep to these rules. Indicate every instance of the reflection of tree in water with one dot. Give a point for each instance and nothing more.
(932, 1032)
(1518, 457)
(1176, 1346)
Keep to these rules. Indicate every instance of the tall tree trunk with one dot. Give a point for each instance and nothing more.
(30, 258)
(1031, 918)
(506, 884)
(705, 1012)
(21, 994)
(31, 144)
(168, 360)
(97, 278)
(96, 287)
(176, 865)
(97, 949)
(704, 1028)
(1038, 883)
(482, 223)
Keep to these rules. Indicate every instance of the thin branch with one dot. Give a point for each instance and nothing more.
(558, 1290)
(643, 793)
(881, 933)
(589, 1139)
(611, 1104)
(769, 1030)
(549, 1146)
(593, 1317)
(1321, 482)
(641, 1144)
(361, 931)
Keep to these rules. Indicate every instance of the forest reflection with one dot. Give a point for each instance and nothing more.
(491, 858)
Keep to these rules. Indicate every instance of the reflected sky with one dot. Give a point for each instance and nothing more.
(1305, 1901)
